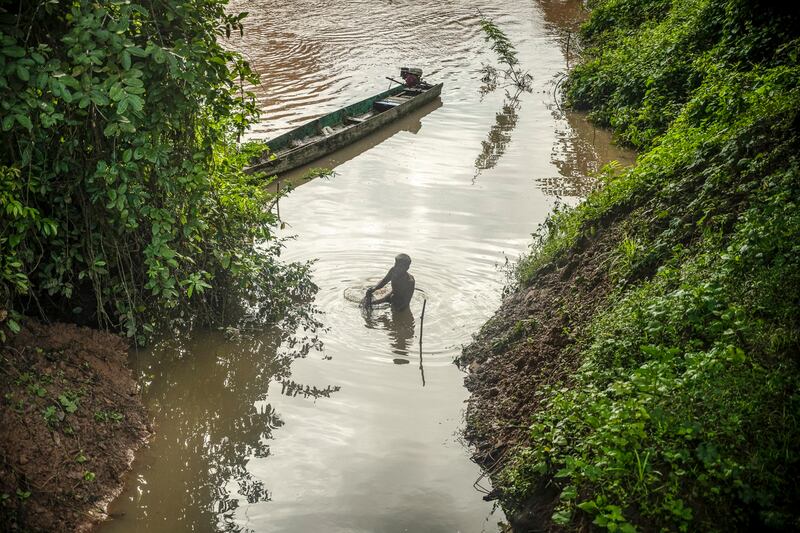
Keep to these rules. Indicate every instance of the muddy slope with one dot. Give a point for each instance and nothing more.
(529, 343)
(71, 421)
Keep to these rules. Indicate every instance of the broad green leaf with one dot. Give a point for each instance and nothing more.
(562, 517)
(569, 493)
(24, 121)
(136, 103)
(13, 51)
(588, 506)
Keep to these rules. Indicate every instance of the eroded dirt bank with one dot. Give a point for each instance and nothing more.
(527, 345)
(71, 421)
(643, 375)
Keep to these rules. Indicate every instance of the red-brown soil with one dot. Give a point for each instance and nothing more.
(70, 422)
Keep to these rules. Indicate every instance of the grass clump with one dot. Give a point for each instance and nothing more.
(684, 413)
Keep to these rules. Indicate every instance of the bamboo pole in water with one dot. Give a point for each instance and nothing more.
(421, 324)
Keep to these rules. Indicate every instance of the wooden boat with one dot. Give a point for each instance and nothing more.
(328, 133)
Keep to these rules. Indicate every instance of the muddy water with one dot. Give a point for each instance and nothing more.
(362, 435)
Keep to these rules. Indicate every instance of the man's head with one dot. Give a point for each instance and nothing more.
(402, 262)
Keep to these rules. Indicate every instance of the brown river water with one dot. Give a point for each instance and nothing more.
(362, 435)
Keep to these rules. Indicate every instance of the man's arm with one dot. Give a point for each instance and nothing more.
(382, 283)
(386, 279)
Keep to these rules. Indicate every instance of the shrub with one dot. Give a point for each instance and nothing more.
(122, 190)
(685, 411)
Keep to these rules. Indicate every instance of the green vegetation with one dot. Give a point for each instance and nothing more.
(122, 192)
(506, 54)
(684, 413)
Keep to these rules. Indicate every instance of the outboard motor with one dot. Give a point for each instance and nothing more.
(412, 76)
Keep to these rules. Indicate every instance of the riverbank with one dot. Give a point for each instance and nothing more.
(72, 419)
(124, 206)
(530, 343)
(643, 372)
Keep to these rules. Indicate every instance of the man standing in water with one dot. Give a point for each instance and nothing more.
(402, 285)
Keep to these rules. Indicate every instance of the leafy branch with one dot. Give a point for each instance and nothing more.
(506, 54)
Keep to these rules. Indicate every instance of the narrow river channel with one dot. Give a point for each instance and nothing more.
(363, 435)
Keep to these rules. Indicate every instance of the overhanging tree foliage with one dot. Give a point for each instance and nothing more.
(122, 194)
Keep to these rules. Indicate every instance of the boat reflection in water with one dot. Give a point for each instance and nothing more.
(412, 123)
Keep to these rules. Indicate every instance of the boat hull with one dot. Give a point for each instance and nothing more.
(302, 155)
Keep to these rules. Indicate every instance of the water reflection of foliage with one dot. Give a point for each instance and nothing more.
(209, 396)
(560, 186)
(488, 81)
(292, 388)
(499, 136)
(579, 154)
